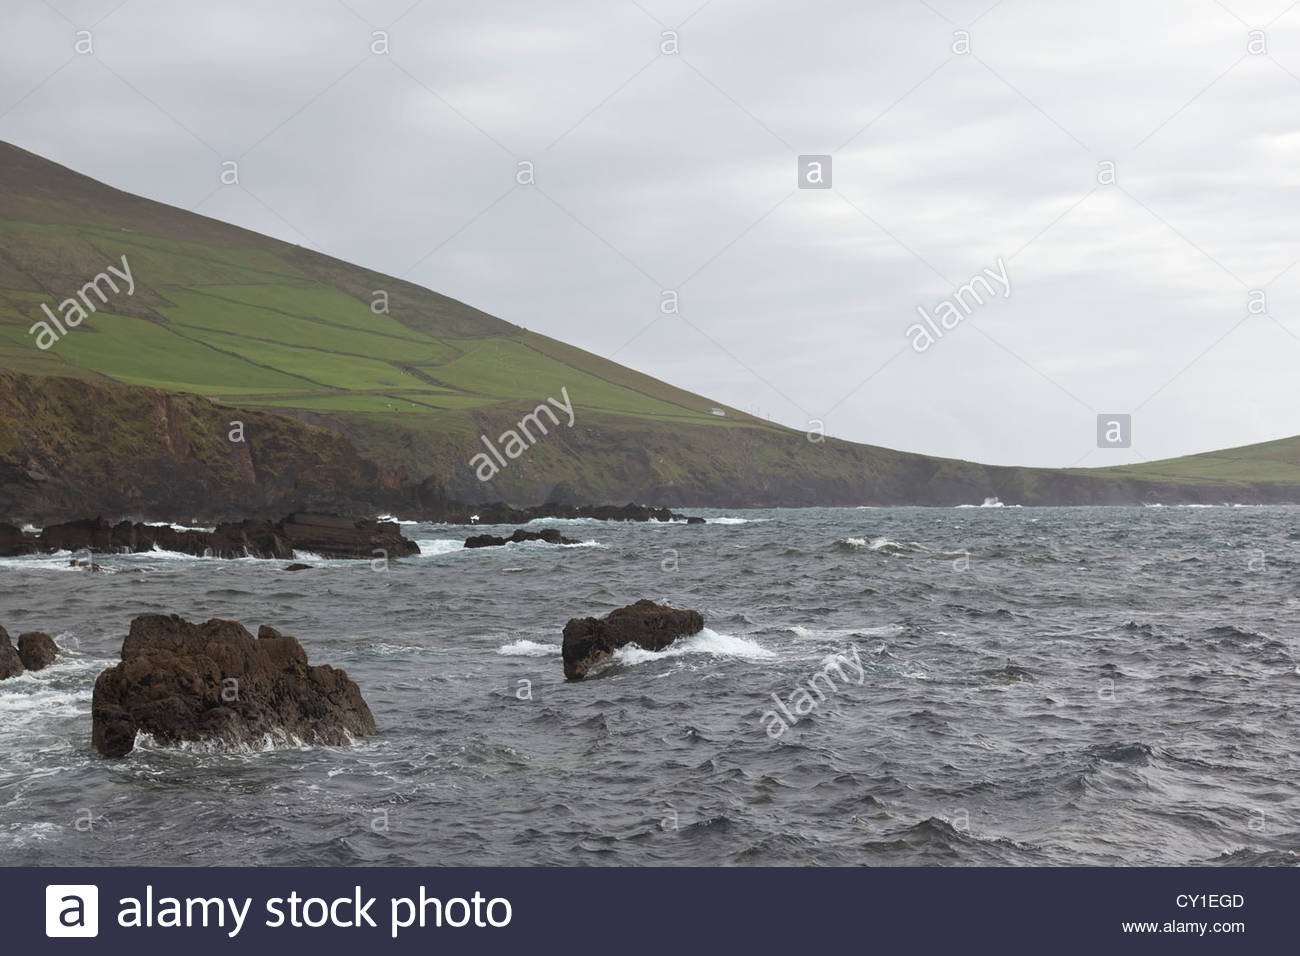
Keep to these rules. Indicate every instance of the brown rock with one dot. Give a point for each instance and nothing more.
(549, 535)
(11, 665)
(37, 650)
(191, 682)
(13, 542)
(326, 535)
(590, 640)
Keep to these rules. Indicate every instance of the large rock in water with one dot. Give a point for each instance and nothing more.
(192, 682)
(590, 640)
(37, 650)
(11, 665)
(327, 535)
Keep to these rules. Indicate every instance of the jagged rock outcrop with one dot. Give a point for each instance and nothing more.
(37, 650)
(11, 665)
(216, 682)
(549, 535)
(327, 535)
(590, 640)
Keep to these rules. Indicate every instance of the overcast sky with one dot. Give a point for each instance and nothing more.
(664, 135)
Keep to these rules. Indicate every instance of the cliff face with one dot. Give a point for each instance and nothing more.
(71, 448)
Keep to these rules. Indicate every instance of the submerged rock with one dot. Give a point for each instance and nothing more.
(198, 682)
(1010, 673)
(298, 566)
(590, 640)
(37, 650)
(549, 535)
(11, 664)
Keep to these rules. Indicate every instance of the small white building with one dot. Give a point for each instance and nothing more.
(717, 411)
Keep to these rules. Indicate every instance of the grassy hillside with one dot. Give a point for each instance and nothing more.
(1275, 462)
(240, 322)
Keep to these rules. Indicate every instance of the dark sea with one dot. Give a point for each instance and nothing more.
(985, 685)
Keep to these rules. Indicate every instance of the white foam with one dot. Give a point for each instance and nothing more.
(883, 630)
(706, 642)
(27, 695)
(546, 545)
(527, 648)
(41, 562)
(430, 546)
(306, 556)
(157, 552)
(275, 740)
(394, 519)
(178, 527)
(729, 520)
(881, 544)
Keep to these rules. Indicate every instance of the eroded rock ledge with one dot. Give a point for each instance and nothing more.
(326, 535)
(590, 640)
(216, 682)
(549, 535)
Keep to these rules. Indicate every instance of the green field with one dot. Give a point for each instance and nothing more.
(250, 327)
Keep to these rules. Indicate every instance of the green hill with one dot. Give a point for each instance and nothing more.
(397, 384)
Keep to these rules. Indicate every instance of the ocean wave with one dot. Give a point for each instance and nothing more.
(527, 648)
(566, 521)
(708, 642)
(58, 561)
(883, 545)
(275, 740)
(179, 527)
(725, 519)
(834, 633)
(431, 546)
(29, 695)
(394, 520)
(993, 502)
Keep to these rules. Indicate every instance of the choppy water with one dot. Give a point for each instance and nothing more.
(1148, 715)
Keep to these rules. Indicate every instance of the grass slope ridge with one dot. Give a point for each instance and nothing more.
(130, 412)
